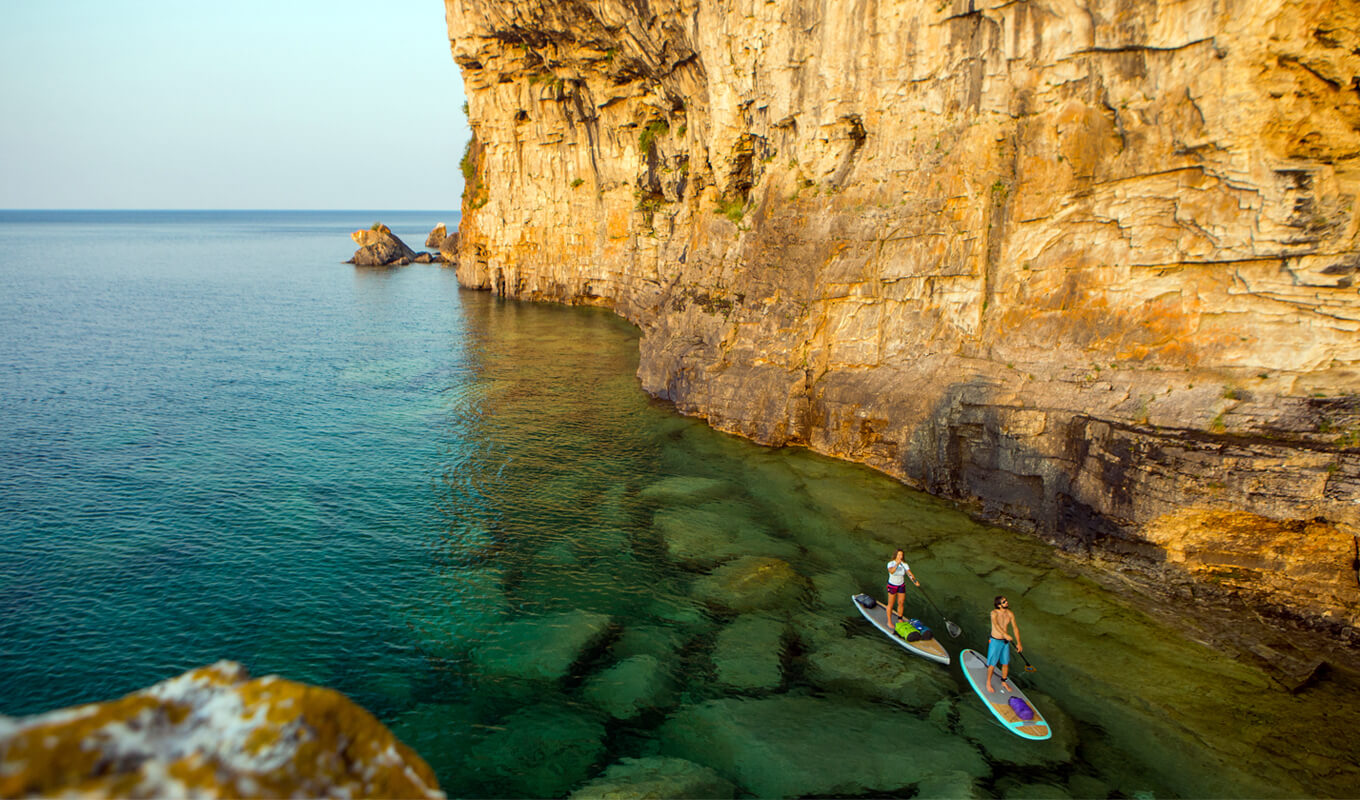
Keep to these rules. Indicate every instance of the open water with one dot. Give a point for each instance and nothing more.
(219, 442)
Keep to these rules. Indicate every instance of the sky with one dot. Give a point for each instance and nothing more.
(286, 104)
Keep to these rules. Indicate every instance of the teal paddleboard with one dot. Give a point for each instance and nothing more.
(998, 701)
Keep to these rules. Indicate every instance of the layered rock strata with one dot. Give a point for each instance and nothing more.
(1090, 265)
(211, 732)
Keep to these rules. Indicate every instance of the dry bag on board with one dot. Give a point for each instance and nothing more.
(1021, 709)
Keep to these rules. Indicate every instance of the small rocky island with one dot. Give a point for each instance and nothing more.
(380, 247)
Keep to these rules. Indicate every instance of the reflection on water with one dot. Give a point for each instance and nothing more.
(465, 514)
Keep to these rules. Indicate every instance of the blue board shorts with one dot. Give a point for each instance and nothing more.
(998, 652)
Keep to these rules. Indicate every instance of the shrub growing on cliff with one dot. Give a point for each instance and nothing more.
(653, 129)
(734, 209)
(468, 165)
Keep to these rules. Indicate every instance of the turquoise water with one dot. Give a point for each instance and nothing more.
(462, 512)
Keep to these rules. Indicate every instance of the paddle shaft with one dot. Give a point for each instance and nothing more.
(954, 630)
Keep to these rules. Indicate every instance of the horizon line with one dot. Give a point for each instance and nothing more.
(344, 210)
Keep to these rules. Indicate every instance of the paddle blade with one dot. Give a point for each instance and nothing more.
(953, 629)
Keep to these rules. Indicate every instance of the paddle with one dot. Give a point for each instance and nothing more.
(1028, 666)
(954, 630)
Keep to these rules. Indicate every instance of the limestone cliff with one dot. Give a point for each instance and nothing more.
(1089, 265)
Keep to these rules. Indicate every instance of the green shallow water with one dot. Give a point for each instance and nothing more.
(464, 514)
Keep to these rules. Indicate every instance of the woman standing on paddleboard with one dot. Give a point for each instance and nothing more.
(898, 572)
(999, 646)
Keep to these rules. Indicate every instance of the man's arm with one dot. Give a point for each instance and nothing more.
(1015, 629)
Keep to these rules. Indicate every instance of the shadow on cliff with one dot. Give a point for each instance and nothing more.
(1091, 486)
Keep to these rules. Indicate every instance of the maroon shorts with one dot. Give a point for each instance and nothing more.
(892, 590)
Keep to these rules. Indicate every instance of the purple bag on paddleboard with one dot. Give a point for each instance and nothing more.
(1021, 709)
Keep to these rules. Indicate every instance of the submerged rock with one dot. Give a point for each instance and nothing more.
(878, 669)
(443, 733)
(211, 732)
(630, 687)
(752, 583)
(1034, 791)
(542, 751)
(656, 778)
(685, 489)
(379, 247)
(749, 654)
(802, 746)
(716, 532)
(651, 640)
(954, 785)
(541, 648)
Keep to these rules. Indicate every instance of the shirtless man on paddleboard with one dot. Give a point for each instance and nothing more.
(999, 646)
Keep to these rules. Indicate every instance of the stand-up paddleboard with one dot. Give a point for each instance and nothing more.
(975, 668)
(925, 648)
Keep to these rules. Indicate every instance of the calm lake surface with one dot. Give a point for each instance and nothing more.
(222, 443)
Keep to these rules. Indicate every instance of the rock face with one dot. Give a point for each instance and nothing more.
(1089, 266)
(211, 732)
(443, 241)
(437, 236)
(379, 247)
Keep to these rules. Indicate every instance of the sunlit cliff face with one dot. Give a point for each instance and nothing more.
(1089, 266)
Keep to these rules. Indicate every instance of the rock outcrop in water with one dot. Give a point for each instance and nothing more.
(380, 247)
(1089, 266)
(212, 732)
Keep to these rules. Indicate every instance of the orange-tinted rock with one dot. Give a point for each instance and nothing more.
(211, 732)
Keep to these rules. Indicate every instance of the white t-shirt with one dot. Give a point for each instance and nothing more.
(897, 576)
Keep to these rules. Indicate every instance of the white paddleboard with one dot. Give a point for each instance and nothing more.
(998, 702)
(925, 648)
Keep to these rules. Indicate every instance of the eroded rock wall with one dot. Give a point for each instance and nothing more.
(1088, 264)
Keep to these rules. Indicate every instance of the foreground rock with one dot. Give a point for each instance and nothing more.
(379, 247)
(212, 732)
(923, 250)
